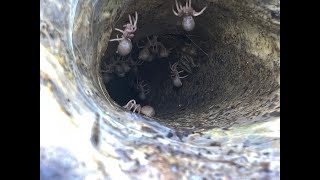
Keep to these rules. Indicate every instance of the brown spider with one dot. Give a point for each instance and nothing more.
(187, 12)
(125, 45)
(176, 79)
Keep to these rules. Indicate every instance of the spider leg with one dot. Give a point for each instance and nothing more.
(137, 107)
(126, 106)
(117, 39)
(135, 20)
(131, 102)
(119, 30)
(130, 19)
(174, 12)
(184, 76)
(143, 85)
(177, 5)
(150, 44)
(131, 36)
(181, 7)
(139, 46)
(199, 13)
(170, 66)
(175, 65)
(139, 62)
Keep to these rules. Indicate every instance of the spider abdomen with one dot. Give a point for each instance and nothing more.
(148, 111)
(176, 81)
(188, 23)
(142, 96)
(124, 47)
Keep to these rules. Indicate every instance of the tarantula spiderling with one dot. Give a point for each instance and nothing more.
(187, 12)
(164, 52)
(143, 88)
(125, 45)
(176, 78)
(121, 68)
(145, 54)
(108, 69)
(134, 64)
(146, 110)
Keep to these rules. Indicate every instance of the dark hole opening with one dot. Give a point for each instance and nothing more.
(227, 84)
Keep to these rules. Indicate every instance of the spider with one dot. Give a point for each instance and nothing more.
(145, 54)
(146, 110)
(176, 79)
(143, 89)
(187, 12)
(125, 45)
(154, 45)
(117, 66)
(132, 104)
(134, 64)
(109, 68)
(164, 52)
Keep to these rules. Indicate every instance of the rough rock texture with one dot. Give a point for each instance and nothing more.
(235, 134)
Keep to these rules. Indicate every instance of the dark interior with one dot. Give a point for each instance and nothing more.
(233, 77)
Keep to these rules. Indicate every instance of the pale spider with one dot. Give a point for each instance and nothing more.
(187, 12)
(125, 45)
(145, 53)
(117, 66)
(146, 110)
(109, 68)
(143, 89)
(175, 75)
(154, 45)
(134, 64)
